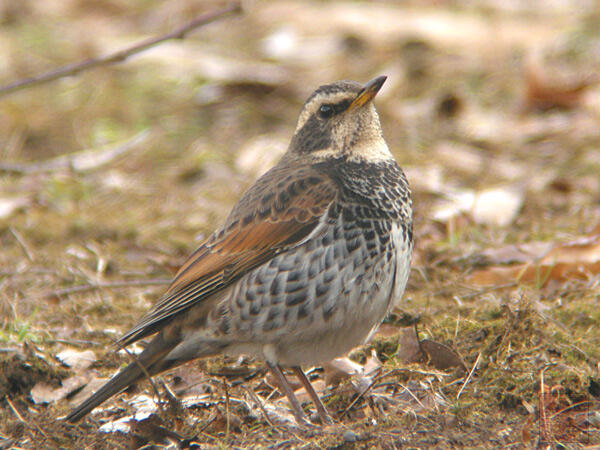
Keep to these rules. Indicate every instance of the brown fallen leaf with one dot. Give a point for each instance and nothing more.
(441, 356)
(538, 274)
(409, 350)
(543, 93)
(496, 275)
(578, 259)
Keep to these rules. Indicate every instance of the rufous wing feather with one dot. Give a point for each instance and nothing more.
(278, 212)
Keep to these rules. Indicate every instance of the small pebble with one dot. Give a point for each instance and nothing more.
(350, 436)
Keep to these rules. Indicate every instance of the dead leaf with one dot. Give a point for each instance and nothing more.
(117, 426)
(77, 360)
(576, 259)
(43, 393)
(441, 356)
(495, 276)
(518, 253)
(341, 369)
(151, 429)
(456, 203)
(90, 387)
(292, 380)
(543, 93)
(409, 350)
(585, 249)
(287, 44)
(10, 205)
(181, 63)
(497, 206)
(372, 364)
(81, 161)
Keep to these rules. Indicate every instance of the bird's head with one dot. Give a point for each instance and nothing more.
(338, 120)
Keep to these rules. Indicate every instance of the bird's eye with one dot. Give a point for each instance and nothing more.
(326, 111)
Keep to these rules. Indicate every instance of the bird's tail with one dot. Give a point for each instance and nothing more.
(153, 361)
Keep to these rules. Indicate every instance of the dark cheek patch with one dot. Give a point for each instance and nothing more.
(342, 106)
(314, 135)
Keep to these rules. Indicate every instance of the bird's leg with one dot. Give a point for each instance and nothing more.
(321, 410)
(289, 393)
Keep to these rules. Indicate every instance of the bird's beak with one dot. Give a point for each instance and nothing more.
(368, 92)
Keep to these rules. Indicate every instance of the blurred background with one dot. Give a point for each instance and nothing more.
(492, 107)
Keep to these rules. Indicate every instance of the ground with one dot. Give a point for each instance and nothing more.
(111, 177)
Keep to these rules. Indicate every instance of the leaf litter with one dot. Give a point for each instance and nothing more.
(542, 262)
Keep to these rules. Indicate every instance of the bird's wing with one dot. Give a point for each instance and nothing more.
(276, 213)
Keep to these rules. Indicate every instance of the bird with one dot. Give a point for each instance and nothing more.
(306, 266)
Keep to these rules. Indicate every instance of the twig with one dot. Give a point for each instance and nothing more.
(73, 342)
(225, 385)
(574, 405)
(88, 159)
(115, 285)
(412, 395)
(20, 417)
(421, 349)
(16, 411)
(122, 55)
(546, 431)
(469, 376)
(207, 424)
(358, 397)
(254, 397)
(369, 387)
(22, 243)
(480, 291)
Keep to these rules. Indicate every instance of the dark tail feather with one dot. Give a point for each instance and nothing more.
(122, 380)
(151, 358)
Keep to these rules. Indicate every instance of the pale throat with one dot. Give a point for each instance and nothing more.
(372, 150)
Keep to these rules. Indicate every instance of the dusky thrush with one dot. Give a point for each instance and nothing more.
(306, 266)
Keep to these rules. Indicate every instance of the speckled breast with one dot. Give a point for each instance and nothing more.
(323, 297)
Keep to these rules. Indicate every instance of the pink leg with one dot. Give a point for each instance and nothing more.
(289, 393)
(321, 410)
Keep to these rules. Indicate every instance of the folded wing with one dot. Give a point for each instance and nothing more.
(278, 212)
